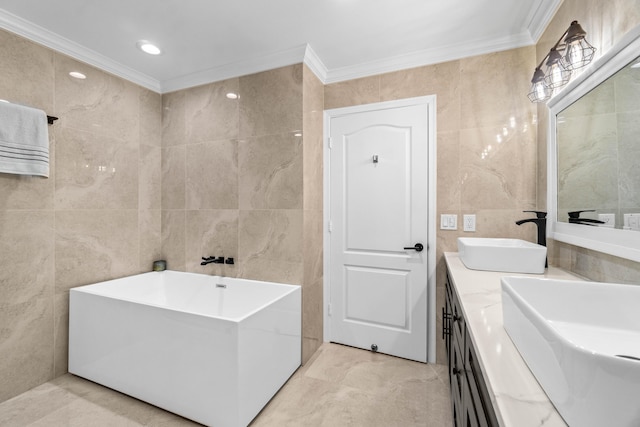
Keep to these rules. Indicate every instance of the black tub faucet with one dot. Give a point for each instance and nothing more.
(212, 259)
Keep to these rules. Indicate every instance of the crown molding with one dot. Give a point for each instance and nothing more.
(429, 57)
(236, 69)
(315, 64)
(540, 17)
(33, 32)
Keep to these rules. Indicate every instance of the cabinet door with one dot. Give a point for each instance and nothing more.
(478, 392)
(446, 319)
(458, 384)
(469, 411)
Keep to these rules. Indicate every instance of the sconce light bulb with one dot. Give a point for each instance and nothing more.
(540, 90)
(574, 53)
(556, 75)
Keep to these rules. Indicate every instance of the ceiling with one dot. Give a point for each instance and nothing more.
(210, 40)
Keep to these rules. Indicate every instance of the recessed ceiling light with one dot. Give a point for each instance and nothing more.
(232, 95)
(77, 75)
(148, 47)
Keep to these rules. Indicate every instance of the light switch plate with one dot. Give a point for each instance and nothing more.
(448, 222)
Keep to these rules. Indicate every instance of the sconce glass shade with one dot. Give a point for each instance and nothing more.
(578, 51)
(555, 74)
(540, 92)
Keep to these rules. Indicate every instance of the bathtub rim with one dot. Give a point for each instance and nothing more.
(237, 319)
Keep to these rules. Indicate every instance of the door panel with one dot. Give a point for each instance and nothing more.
(378, 187)
(388, 287)
(367, 181)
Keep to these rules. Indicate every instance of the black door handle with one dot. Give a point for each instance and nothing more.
(418, 247)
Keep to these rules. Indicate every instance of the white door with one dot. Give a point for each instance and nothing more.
(378, 220)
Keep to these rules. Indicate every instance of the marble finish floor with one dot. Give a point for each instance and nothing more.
(339, 386)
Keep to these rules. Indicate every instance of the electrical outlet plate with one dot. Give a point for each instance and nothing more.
(469, 222)
(609, 220)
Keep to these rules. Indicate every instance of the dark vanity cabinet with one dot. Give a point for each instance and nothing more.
(469, 395)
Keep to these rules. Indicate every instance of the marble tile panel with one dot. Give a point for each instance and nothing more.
(150, 226)
(174, 239)
(95, 171)
(174, 177)
(312, 292)
(26, 250)
(150, 177)
(448, 171)
(312, 155)
(27, 72)
(497, 175)
(541, 135)
(270, 172)
(212, 175)
(257, 268)
(26, 346)
(442, 80)
(493, 88)
(209, 114)
(92, 246)
(560, 254)
(271, 102)
(309, 348)
(211, 233)
(313, 92)
(605, 268)
(150, 118)
(352, 92)
(60, 334)
(273, 235)
(174, 131)
(101, 104)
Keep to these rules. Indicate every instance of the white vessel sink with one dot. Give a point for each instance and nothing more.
(508, 255)
(581, 341)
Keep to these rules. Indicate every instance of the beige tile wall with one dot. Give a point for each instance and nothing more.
(96, 217)
(242, 178)
(482, 105)
(605, 22)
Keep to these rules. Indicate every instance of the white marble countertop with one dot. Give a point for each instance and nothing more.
(516, 395)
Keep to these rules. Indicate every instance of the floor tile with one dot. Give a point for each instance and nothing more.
(339, 386)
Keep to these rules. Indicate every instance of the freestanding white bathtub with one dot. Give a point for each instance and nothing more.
(211, 349)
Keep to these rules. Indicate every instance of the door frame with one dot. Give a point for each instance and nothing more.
(430, 102)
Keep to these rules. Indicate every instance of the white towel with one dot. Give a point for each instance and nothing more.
(24, 140)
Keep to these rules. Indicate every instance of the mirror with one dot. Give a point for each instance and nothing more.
(598, 149)
(594, 155)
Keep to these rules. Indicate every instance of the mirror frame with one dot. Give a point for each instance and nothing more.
(617, 242)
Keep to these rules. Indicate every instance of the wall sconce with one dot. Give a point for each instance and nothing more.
(571, 51)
